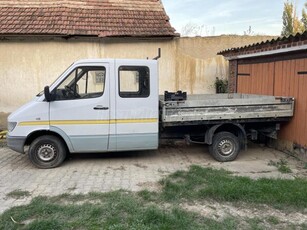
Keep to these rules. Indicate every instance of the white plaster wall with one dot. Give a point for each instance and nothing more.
(188, 64)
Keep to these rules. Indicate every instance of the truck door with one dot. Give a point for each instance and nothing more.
(80, 108)
(136, 105)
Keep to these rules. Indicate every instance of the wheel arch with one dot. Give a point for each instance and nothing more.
(35, 134)
(234, 128)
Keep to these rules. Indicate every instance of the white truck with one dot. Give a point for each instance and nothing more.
(108, 105)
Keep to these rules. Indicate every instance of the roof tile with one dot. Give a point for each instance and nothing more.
(101, 18)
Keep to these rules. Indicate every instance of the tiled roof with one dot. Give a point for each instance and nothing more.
(99, 18)
(277, 43)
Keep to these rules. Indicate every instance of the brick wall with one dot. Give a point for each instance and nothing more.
(232, 81)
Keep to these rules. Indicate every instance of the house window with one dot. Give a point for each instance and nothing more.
(134, 81)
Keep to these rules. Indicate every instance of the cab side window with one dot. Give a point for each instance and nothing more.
(82, 83)
(134, 81)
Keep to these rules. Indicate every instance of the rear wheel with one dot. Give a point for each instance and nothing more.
(225, 147)
(47, 152)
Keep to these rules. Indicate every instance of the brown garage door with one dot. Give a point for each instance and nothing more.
(280, 78)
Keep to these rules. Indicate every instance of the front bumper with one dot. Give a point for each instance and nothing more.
(16, 143)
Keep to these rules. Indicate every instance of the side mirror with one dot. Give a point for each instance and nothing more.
(47, 93)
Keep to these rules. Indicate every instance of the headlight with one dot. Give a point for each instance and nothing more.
(11, 126)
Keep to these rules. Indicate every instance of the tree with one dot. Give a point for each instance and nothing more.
(249, 32)
(194, 29)
(304, 17)
(291, 23)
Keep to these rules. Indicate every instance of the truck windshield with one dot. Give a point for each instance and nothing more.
(42, 92)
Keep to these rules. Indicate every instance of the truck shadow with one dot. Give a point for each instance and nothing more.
(111, 155)
(166, 153)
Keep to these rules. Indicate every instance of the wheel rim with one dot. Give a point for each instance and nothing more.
(46, 152)
(226, 147)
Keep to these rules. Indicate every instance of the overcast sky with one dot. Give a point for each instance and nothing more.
(218, 17)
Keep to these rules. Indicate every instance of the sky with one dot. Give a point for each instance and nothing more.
(216, 17)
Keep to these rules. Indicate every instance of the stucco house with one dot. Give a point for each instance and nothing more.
(39, 39)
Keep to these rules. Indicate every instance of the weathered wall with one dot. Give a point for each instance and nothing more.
(188, 64)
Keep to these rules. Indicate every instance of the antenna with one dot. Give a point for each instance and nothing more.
(159, 54)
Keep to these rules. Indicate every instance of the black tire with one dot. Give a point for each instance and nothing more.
(47, 152)
(225, 147)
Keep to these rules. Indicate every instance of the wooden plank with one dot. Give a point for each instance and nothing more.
(294, 135)
(295, 132)
(285, 73)
(252, 79)
(243, 80)
(293, 90)
(291, 126)
(257, 80)
(280, 82)
(240, 68)
(240, 84)
(247, 80)
(270, 85)
(278, 78)
(300, 117)
(247, 68)
(265, 79)
(303, 96)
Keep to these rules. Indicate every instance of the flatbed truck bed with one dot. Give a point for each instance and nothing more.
(216, 108)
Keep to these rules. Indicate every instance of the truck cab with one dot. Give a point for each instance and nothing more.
(96, 105)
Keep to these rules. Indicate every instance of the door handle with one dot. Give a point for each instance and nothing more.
(100, 107)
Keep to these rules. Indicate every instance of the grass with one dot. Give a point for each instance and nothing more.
(281, 165)
(161, 210)
(116, 210)
(18, 194)
(273, 220)
(206, 183)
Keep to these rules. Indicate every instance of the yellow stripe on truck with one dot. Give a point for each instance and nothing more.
(33, 123)
(82, 122)
(89, 122)
(124, 121)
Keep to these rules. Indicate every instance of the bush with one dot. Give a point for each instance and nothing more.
(221, 85)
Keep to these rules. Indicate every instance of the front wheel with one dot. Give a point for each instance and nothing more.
(47, 152)
(225, 147)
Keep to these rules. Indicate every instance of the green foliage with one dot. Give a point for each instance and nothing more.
(281, 165)
(116, 210)
(255, 224)
(221, 85)
(304, 18)
(291, 23)
(205, 183)
(273, 220)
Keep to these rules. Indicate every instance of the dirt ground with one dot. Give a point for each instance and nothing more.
(135, 171)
